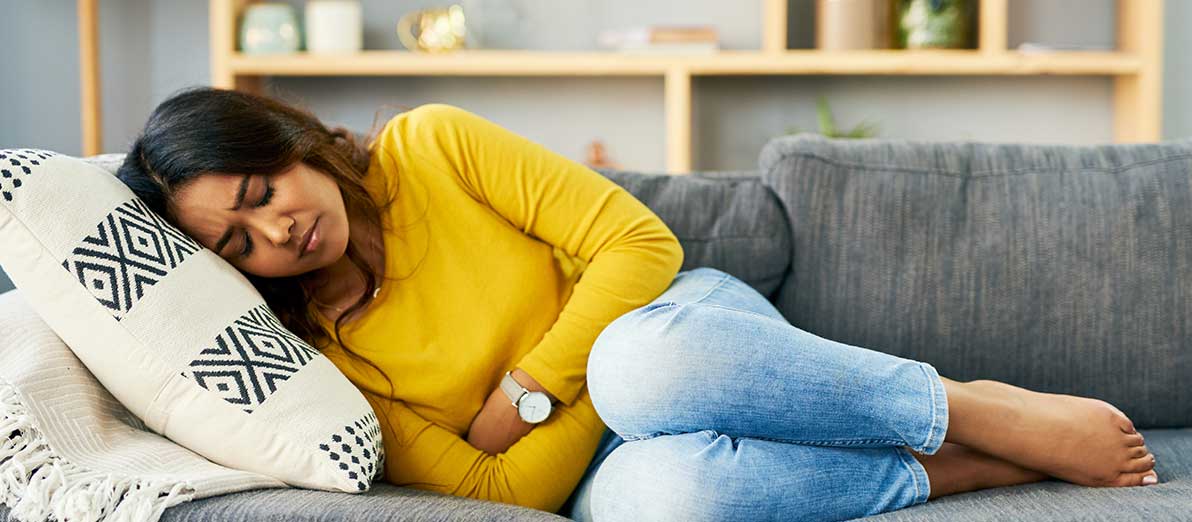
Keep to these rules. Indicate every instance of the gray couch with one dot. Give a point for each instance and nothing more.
(1058, 268)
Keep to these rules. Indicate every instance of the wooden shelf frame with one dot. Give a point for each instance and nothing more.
(90, 102)
(1136, 66)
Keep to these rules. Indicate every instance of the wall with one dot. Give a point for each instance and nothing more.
(151, 48)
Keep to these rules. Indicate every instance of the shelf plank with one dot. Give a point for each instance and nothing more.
(790, 62)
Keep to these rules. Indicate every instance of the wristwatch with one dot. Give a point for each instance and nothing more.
(532, 406)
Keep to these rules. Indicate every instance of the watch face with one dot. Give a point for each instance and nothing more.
(534, 407)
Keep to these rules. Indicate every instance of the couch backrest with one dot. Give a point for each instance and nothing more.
(1057, 268)
(724, 219)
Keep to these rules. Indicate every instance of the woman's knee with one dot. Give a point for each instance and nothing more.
(670, 477)
(632, 367)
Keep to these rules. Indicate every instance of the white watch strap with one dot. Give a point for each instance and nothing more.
(512, 389)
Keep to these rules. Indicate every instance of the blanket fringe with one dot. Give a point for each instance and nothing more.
(39, 485)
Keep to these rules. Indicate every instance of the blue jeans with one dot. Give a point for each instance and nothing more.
(719, 409)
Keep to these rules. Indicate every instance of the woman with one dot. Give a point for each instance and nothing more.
(439, 267)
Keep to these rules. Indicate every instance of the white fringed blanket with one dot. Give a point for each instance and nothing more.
(70, 451)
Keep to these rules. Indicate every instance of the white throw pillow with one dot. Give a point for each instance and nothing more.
(176, 333)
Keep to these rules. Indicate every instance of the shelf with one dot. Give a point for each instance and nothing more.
(790, 62)
(1135, 68)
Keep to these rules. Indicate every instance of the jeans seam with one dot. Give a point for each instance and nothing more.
(919, 493)
(723, 277)
(816, 442)
(833, 442)
(679, 306)
(761, 315)
(934, 413)
(931, 430)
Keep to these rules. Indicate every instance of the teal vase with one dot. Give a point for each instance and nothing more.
(270, 28)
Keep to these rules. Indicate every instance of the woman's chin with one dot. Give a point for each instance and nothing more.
(329, 254)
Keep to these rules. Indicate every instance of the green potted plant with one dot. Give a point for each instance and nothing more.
(827, 124)
(925, 24)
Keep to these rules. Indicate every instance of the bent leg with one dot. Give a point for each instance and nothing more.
(707, 475)
(712, 353)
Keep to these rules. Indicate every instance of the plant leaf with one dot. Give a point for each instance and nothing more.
(863, 130)
(826, 123)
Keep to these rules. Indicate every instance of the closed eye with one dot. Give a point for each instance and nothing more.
(269, 192)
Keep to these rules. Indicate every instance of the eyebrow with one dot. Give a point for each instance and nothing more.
(227, 235)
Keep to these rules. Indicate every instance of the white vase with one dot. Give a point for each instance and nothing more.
(334, 26)
(493, 24)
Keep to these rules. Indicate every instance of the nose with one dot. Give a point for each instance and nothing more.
(278, 229)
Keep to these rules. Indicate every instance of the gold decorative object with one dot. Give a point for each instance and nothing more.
(439, 29)
(597, 158)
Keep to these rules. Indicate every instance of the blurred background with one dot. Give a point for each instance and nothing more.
(1055, 71)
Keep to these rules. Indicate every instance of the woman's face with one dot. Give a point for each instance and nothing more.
(266, 234)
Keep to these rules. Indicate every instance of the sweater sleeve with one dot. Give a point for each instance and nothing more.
(540, 471)
(631, 255)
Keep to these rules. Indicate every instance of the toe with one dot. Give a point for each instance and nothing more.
(1127, 426)
(1135, 452)
(1124, 422)
(1140, 464)
(1133, 479)
(1133, 439)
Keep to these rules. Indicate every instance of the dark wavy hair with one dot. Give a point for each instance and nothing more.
(200, 130)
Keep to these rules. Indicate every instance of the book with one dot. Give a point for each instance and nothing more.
(669, 47)
(658, 34)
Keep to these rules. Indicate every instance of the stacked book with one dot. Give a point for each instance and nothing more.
(662, 38)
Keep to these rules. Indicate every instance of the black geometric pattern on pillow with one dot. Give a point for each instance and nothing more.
(357, 450)
(250, 359)
(132, 249)
(18, 163)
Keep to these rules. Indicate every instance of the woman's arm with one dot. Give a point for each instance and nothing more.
(498, 424)
(631, 255)
(539, 471)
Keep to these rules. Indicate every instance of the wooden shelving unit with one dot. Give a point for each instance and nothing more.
(1136, 66)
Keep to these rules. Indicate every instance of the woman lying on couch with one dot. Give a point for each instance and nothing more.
(528, 337)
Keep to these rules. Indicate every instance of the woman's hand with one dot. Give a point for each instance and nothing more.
(497, 426)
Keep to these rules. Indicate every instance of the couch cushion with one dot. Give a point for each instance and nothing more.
(383, 502)
(724, 219)
(1055, 500)
(1056, 268)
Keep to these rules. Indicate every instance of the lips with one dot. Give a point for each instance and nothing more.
(306, 238)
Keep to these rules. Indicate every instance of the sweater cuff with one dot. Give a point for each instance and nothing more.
(564, 385)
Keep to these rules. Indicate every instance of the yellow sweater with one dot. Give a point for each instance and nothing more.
(489, 235)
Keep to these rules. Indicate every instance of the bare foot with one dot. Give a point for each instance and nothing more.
(1077, 439)
(956, 469)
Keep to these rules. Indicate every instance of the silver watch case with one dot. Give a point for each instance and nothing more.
(532, 406)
